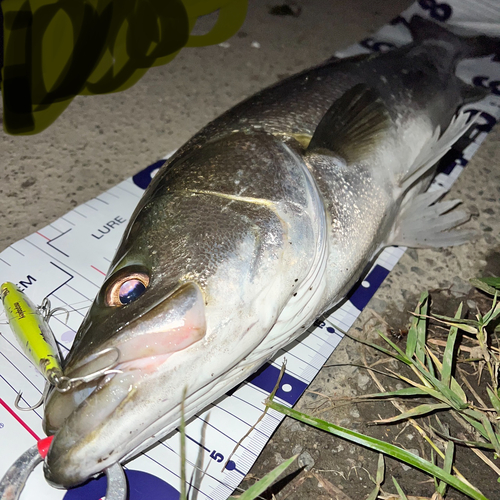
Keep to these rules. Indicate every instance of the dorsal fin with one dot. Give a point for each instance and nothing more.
(353, 126)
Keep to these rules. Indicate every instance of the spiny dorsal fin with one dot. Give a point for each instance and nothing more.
(353, 126)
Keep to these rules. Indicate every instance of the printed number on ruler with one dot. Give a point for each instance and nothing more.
(371, 44)
(323, 326)
(218, 457)
(438, 11)
(483, 81)
(461, 155)
(484, 123)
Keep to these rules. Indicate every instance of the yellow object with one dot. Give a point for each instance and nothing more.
(32, 332)
(54, 50)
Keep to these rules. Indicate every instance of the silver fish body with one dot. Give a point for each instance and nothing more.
(259, 224)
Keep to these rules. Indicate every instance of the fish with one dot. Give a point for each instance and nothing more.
(259, 224)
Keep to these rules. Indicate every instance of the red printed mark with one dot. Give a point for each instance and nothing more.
(98, 270)
(43, 236)
(16, 416)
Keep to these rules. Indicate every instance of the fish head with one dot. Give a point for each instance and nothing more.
(198, 281)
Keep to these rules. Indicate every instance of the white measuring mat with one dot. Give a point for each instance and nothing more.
(67, 261)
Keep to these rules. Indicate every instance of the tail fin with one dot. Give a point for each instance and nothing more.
(423, 31)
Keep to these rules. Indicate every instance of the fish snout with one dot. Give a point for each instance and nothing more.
(58, 477)
(95, 422)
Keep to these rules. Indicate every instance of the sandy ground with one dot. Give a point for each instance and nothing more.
(101, 140)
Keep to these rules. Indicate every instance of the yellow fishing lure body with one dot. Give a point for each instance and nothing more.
(32, 331)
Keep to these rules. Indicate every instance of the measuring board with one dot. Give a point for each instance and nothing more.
(67, 261)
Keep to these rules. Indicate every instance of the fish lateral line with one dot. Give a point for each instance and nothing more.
(271, 205)
(234, 197)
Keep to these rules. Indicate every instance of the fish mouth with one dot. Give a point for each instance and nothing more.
(106, 386)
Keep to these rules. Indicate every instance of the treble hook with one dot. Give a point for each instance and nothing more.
(47, 312)
(35, 406)
(14, 480)
(65, 384)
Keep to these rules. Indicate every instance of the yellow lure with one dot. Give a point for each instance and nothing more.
(32, 331)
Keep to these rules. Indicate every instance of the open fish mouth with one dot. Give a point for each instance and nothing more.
(69, 462)
(107, 384)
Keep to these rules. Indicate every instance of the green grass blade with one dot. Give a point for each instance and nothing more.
(415, 412)
(482, 285)
(437, 395)
(380, 446)
(374, 494)
(380, 469)
(495, 400)
(492, 313)
(379, 480)
(419, 371)
(447, 466)
(403, 358)
(422, 327)
(492, 437)
(400, 393)
(433, 460)
(395, 347)
(435, 361)
(449, 352)
(401, 493)
(412, 341)
(451, 396)
(472, 417)
(493, 282)
(457, 321)
(430, 366)
(467, 325)
(454, 385)
(260, 486)
(475, 444)
(425, 388)
(496, 312)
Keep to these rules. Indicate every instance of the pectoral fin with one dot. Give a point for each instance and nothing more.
(353, 126)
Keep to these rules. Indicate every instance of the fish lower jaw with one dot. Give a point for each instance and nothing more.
(193, 403)
(125, 380)
(69, 461)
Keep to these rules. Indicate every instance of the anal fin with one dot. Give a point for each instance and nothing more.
(426, 223)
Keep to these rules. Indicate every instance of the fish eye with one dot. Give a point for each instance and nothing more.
(126, 288)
